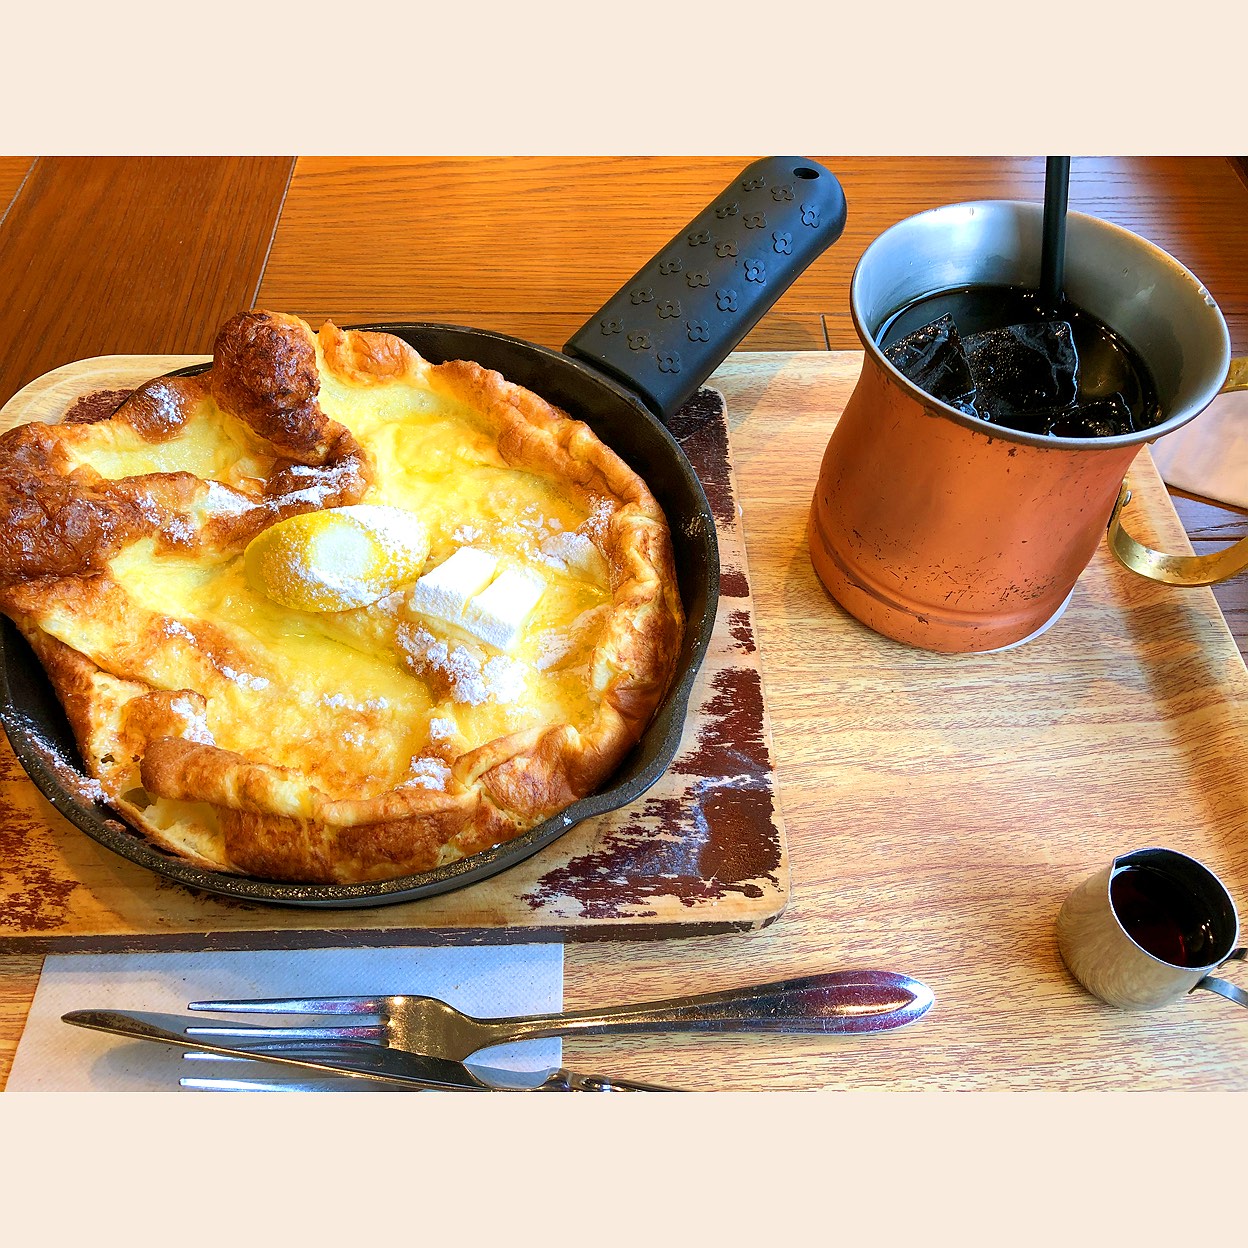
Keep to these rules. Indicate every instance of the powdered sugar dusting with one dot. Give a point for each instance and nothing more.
(327, 483)
(224, 501)
(504, 678)
(574, 552)
(245, 679)
(180, 531)
(601, 511)
(427, 773)
(330, 570)
(341, 558)
(340, 701)
(555, 645)
(471, 681)
(175, 628)
(394, 527)
(85, 788)
(195, 726)
(147, 508)
(551, 648)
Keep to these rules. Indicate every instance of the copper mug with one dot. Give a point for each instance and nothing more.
(949, 533)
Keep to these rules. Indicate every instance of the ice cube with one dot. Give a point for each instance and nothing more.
(1023, 369)
(933, 358)
(1094, 418)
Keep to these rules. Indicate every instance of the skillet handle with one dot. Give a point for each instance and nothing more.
(666, 330)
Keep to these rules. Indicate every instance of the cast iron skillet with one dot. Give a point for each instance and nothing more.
(631, 366)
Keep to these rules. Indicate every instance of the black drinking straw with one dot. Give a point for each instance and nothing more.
(1053, 255)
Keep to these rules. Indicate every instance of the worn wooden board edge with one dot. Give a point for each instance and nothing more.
(581, 855)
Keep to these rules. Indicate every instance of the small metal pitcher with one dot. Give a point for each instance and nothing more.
(1103, 956)
(947, 532)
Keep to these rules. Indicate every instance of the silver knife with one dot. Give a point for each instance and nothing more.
(356, 1060)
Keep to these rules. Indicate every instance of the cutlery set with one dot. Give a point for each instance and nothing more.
(421, 1043)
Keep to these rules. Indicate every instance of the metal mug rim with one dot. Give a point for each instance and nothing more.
(1211, 878)
(989, 429)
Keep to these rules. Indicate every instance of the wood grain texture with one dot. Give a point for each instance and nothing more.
(533, 246)
(939, 808)
(13, 171)
(19, 977)
(1211, 527)
(524, 247)
(101, 255)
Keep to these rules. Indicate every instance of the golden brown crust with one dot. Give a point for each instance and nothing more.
(62, 525)
(158, 410)
(266, 374)
(366, 356)
(66, 521)
(56, 523)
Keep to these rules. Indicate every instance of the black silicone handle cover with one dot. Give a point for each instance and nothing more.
(668, 328)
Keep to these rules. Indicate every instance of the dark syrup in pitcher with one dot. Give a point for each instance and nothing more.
(1163, 916)
(1002, 354)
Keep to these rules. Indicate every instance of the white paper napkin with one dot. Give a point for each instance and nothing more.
(53, 1056)
(1209, 455)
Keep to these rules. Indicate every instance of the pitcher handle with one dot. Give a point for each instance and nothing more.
(1223, 987)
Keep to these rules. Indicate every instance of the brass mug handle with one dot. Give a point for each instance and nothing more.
(1186, 570)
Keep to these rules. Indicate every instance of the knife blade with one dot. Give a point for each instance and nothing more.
(354, 1059)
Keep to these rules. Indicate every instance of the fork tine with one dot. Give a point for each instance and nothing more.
(296, 1005)
(368, 1032)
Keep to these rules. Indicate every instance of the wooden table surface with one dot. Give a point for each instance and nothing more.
(148, 255)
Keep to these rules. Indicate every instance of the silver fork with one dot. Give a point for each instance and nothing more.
(837, 1003)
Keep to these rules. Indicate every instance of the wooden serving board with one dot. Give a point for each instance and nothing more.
(702, 852)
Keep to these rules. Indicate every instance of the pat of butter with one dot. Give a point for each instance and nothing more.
(465, 593)
(444, 592)
(498, 613)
